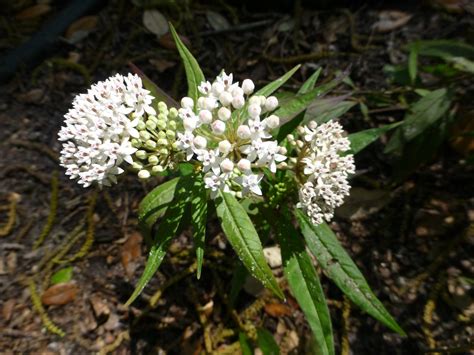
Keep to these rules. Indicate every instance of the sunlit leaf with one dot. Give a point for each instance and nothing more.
(362, 139)
(245, 345)
(63, 275)
(276, 84)
(199, 218)
(338, 265)
(266, 342)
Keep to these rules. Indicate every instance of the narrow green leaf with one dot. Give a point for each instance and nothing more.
(309, 84)
(328, 109)
(304, 284)
(155, 203)
(63, 275)
(199, 218)
(243, 237)
(443, 48)
(362, 139)
(275, 85)
(166, 231)
(413, 63)
(266, 342)
(245, 345)
(338, 265)
(193, 71)
(422, 114)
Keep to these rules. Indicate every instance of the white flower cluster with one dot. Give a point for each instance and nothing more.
(99, 128)
(325, 169)
(229, 133)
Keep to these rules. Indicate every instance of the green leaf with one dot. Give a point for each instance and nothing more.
(154, 89)
(421, 115)
(244, 344)
(443, 48)
(63, 275)
(462, 64)
(199, 218)
(243, 237)
(166, 231)
(266, 342)
(154, 205)
(309, 84)
(338, 265)
(275, 85)
(193, 71)
(328, 109)
(413, 63)
(304, 284)
(362, 139)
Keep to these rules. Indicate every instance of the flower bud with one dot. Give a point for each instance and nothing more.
(170, 134)
(200, 142)
(145, 135)
(209, 103)
(244, 165)
(225, 98)
(299, 144)
(163, 151)
(141, 154)
(205, 116)
(201, 102)
(162, 141)
(161, 124)
(312, 124)
(217, 88)
(141, 126)
(223, 113)
(150, 125)
(150, 144)
(137, 166)
(254, 100)
(161, 135)
(173, 113)
(271, 103)
(157, 169)
(254, 110)
(282, 150)
(237, 91)
(172, 125)
(187, 102)
(283, 165)
(218, 127)
(153, 160)
(143, 174)
(136, 143)
(190, 123)
(272, 121)
(162, 106)
(152, 118)
(227, 165)
(225, 146)
(300, 130)
(238, 102)
(244, 132)
(248, 86)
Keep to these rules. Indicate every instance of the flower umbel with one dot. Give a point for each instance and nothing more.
(99, 127)
(325, 170)
(228, 132)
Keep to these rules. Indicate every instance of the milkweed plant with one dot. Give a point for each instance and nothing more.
(228, 144)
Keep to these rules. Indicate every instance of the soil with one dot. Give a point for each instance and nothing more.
(412, 237)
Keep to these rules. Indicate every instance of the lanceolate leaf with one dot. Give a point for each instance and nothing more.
(338, 265)
(266, 342)
(443, 48)
(193, 71)
(154, 205)
(362, 139)
(309, 84)
(275, 85)
(199, 218)
(243, 237)
(166, 231)
(328, 109)
(305, 286)
(245, 345)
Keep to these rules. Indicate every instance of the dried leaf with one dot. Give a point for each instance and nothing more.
(33, 12)
(81, 28)
(391, 20)
(131, 250)
(7, 309)
(155, 22)
(60, 294)
(162, 64)
(462, 133)
(34, 96)
(217, 21)
(168, 42)
(277, 310)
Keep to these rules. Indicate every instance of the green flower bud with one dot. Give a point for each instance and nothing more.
(141, 154)
(163, 117)
(170, 134)
(162, 141)
(174, 145)
(163, 151)
(136, 143)
(150, 125)
(161, 135)
(150, 144)
(157, 169)
(153, 160)
(143, 174)
(173, 113)
(141, 126)
(152, 118)
(162, 106)
(136, 165)
(145, 135)
(161, 124)
(172, 125)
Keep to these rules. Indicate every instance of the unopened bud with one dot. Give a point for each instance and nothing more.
(272, 121)
(205, 116)
(271, 103)
(244, 132)
(227, 165)
(225, 146)
(226, 98)
(254, 110)
(141, 154)
(218, 127)
(153, 159)
(143, 174)
(187, 102)
(244, 165)
(223, 113)
(200, 142)
(162, 106)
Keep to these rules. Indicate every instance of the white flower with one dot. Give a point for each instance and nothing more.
(238, 102)
(98, 128)
(187, 102)
(244, 132)
(225, 146)
(271, 103)
(205, 87)
(205, 116)
(269, 155)
(254, 110)
(185, 142)
(218, 127)
(250, 183)
(248, 86)
(200, 142)
(223, 113)
(225, 98)
(244, 165)
(272, 121)
(227, 165)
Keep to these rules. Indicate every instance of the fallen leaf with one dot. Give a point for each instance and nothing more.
(277, 309)
(362, 203)
(162, 64)
(81, 28)
(217, 21)
(167, 41)
(155, 22)
(60, 294)
(131, 250)
(7, 309)
(33, 11)
(100, 308)
(390, 20)
(34, 96)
